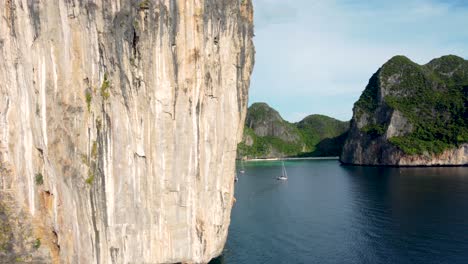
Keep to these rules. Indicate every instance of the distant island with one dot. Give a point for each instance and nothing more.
(268, 135)
(412, 115)
(408, 115)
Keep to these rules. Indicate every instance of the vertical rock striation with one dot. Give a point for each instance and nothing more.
(119, 122)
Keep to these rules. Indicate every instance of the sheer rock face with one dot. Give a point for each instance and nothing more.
(119, 122)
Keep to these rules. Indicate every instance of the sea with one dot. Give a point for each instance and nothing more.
(329, 213)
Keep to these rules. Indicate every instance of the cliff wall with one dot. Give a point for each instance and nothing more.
(119, 122)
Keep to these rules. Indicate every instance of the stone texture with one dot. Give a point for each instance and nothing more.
(119, 122)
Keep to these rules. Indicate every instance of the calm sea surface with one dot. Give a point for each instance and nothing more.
(327, 213)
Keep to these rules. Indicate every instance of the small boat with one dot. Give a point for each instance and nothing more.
(242, 170)
(284, 174)
(236, 179)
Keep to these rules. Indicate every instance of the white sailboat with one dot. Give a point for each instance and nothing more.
(284, 173)
(242, 170)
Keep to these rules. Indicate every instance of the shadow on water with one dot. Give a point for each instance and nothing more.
(218, 260)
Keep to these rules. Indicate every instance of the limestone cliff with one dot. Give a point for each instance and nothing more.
(119, 122)
(412, 115)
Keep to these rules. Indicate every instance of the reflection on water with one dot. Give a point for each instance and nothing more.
(219, 260)
(327, 213)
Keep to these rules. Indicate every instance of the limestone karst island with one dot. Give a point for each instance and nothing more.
(140, 132)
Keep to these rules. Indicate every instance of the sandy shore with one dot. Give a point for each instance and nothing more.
(304, 158)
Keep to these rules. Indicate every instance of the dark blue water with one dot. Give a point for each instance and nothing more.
(327, 213)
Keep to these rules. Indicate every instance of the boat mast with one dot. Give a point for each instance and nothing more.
(285, 174)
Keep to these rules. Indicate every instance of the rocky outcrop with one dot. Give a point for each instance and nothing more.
(266, 121)
(450, 157)
(412, 115)
(119, 122)
(268, 135)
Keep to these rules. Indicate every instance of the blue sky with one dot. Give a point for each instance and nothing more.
(316, 56)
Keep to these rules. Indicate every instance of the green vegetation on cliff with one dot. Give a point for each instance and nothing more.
(315, 128)
(267, 135)
(368, 101)
(433, 97)
(374, 130)
(266, 146)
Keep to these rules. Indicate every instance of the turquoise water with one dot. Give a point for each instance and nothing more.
(327, 213)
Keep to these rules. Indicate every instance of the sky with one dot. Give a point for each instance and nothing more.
(316, 56)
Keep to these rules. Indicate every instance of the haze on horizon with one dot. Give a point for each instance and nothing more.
(316, 57)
